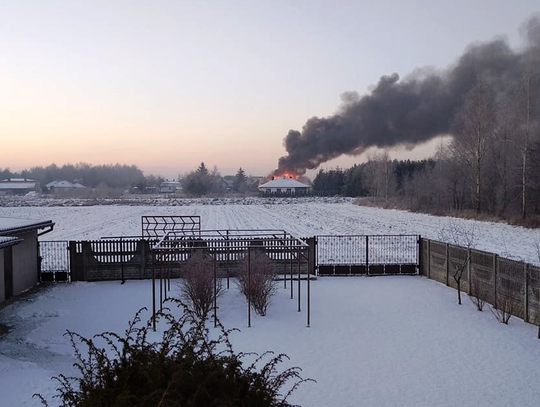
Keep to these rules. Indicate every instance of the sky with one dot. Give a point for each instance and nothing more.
(166, 85)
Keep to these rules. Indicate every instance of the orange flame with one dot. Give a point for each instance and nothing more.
(287, 175)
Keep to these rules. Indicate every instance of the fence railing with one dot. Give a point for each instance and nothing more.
(54, 261)
(367, 254)
(494, 279)
(131, 258)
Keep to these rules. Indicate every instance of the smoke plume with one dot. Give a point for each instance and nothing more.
(411, 110)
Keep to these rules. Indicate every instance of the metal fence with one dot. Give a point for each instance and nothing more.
(367, 254)
(131, 258)
(496, 280)
(233, 251)
(158, 225)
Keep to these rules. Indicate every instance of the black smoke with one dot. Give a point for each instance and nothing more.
(411, 110)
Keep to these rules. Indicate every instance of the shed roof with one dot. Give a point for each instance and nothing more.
(18, 180)
(18, 185)
(11, 226)
(6, 241)
(64, 184)
(283, 182)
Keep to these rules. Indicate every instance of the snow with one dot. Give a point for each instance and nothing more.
(6, 241)
(301, 217)
(283, 182)
(64, 184)
(382, 341)
(15, 225)
(373, 341)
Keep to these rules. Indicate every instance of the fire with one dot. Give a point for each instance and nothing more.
(287, 175)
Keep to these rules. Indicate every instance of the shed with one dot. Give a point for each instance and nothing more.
(18, 186)
(62, 185)
(19, 254)
(170, 187)
(284, 186)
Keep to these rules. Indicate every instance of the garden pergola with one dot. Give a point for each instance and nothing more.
(228, 248)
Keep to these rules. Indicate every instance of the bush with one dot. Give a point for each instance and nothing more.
(185, 368)
(259, 285)
(196, 287)
(507, 305)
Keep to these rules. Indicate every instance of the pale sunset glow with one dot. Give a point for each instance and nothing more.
(165, 85)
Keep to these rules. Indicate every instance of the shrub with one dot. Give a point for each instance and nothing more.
(477, 295)
(196, 288)
(256, 280)
(185, 368)
(507, 305)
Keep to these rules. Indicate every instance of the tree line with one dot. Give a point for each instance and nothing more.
(491, 165)
(92, 176)
(129, 177)
(204, 182)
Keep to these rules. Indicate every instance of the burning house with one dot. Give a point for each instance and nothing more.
(284, 186)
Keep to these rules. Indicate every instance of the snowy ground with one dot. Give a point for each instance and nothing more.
(301, 217)
(381, 341)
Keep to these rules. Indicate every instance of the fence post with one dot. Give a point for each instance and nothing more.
(72, 262)
(85, 246)
(495, 269)
(526, 299)
(420, 256)
(142, 258)
(311, 255)
(469, 271)
(447, 263)
(429, 259)
(367, 255)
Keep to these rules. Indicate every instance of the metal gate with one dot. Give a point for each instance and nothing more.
(367, 254)
(54, 261)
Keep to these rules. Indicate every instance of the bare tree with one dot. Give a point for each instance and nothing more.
(256, 280)
(473, 130)
(459, 236)
(199, 286)
(525, 134)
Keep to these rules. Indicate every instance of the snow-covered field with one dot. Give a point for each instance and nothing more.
(382, 341)
(301, 217)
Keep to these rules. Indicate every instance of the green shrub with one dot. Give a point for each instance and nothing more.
(186, 367)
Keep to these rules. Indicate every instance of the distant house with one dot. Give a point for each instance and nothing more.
(170, 187)
(58, 186)
(228, 181)
(19, 254)
(18, 186)
(284, 186)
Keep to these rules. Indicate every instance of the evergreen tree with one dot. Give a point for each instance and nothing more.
(240, 181)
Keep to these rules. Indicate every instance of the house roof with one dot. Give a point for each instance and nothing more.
(18, 185)
(283, 182)
(13, 226)
(6, 241)
(18, 180)
(64, 184)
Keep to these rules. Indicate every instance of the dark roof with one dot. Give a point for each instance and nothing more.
(13, 226)
(6, 241)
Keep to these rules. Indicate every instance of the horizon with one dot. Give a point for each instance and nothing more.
(172, 84)
(347, 162)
